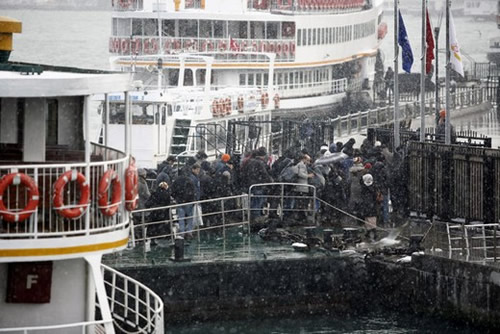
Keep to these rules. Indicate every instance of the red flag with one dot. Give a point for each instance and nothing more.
(430, 46)
(233, 46)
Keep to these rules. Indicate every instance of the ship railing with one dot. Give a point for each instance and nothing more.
(270, 200)
(308, 7)
(82, 327)
(45, 220)
(227, 50)
(355, 123)
(471, 242)
(134, 307)
(326, 87)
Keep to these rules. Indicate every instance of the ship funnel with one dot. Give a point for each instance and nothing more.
(8, 26)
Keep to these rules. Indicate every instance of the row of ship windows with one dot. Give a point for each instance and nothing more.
(333, 35)
(286, 79)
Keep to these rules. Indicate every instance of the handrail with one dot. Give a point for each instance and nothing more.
(146, 313)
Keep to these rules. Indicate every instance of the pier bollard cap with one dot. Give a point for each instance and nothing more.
(225, 157)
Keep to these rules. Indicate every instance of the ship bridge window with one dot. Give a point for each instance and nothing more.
(142, 114)
(257, 30)
(238, 29)
(272, 30)
(188, 28)
(137, 27)
(168, 28)
(219, 29)
(122, 27)
(150, 27)
(288, 30)
(299, 38)
(205, 29)
(51, 120)
(309, 37)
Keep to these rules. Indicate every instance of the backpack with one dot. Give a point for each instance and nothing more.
(289, 174)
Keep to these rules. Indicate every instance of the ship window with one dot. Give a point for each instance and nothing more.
(242, 79)
(272, 30)
(288, 30)
(314, 37)
(257, 30)
(301, 79)
(188, 28)
(258, 79)
(122, 27)
(290, 81)
(266, 79)
(219, 29)
(304, 36)
(150, 27)
(309, 39)
(137, 27)
(251, 79)
(163, 115)
(299, 38)
(237, 29)
(168, 28)
(51, 121)
(296, 80)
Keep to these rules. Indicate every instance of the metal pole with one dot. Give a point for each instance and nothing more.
(422, 72)
(106, 120)
(396, 74)
(447, 137)
(86, 116)
(436, 69)
(160, 28)
(127, 123)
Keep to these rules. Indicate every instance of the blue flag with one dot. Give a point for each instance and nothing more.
(405, 45)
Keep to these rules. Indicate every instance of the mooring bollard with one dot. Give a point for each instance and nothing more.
(310, 231)
(327, 237)
(414, 244)
(179, 249)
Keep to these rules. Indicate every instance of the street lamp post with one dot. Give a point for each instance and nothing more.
(436, 69)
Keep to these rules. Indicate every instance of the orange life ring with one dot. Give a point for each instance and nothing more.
(131, 188)
(228, 106)
(109, 178)
(276, 101)
(241, 104)
(58, 201)
(215, 111)
(34, 197)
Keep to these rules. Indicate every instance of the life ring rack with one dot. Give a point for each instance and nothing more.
(109, 178)
(72, 211)
(34, 197)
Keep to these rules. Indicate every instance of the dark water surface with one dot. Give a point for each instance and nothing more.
(371, 324)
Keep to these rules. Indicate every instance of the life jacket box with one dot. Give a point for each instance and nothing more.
(29, 282)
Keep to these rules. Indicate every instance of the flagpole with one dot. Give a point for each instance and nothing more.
(422, 71)
(447, 137)
(396, 75)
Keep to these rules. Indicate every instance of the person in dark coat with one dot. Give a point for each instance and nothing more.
(369, 202)
(257, 172)
(184, 190)
(208, 190)
(159, 218)
(381, 180)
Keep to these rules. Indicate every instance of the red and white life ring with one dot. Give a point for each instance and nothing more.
(276, 101)
(215, 108)
(124, 46)
(110, 177)
(241, 104)
(33, 195)
(131, 188)
(58, 200)
(264, 100)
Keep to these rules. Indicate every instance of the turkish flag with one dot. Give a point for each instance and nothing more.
(430, 45)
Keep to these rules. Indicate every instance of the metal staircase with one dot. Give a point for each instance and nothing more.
(180, 136)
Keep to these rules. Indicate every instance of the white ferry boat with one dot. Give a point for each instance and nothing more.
(321, 48)
(64, 203)
(480, 9)
(232, 66)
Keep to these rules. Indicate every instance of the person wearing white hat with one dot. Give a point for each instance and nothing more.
(369, 203)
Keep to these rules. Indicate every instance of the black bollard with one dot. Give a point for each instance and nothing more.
(310, 231)
(414, 244)
(179, 249)
(351, 236)
(327, 237)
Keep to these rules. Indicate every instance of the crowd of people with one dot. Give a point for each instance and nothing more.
(358, 181)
